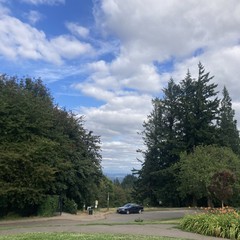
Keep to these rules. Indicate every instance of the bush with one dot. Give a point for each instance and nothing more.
(224, 222)
(69, 206)
(49, 206)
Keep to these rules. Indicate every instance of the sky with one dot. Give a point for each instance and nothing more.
(107, 59)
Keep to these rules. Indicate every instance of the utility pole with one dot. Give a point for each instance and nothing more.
(108, 201)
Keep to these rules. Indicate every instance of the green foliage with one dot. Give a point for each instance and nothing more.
(223, 223)
(105, 189)
(128, 184)
(197, 169)
(138, 220)
(228, 133)
(69, 206)
(222, 184)
(128, 181)
(118, 196)
(161, 152)
(187, 116)
(44, 150)
(119, 193)
(198, 109)
(49, 206)
(85, 236)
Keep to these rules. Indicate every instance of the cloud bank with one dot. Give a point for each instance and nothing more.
(127, 57)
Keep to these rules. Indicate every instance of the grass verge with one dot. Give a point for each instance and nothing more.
(74, 236)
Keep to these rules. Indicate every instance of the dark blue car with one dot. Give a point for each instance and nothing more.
(130, 208)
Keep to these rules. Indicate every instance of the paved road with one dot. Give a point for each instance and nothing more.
(84, 223)
(146, 216)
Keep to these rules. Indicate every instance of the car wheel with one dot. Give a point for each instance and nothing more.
(128, 212)
(140, 211)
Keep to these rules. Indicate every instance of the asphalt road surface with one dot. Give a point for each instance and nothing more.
(146, 216)
(101, 223)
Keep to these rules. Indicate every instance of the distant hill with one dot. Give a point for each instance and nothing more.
(119, 176)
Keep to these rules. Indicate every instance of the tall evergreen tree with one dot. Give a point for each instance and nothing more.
(228, 132)
(183, 119)
(156, 176)
(198, 110)
(152, 136)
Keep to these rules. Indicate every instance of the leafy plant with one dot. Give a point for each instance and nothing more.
(223, 222)
(49, 206)
(69, 206)
(222, 185)
(138, 220)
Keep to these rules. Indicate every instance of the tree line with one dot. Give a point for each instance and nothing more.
(49, 162)
(44, 150)
(191, 146)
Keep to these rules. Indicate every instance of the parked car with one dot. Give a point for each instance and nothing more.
(130, 208)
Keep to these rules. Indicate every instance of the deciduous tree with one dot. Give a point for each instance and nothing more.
(197, 169)
(44, 150)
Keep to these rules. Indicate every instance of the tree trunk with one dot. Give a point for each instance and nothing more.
(194, 202)
(209, 202)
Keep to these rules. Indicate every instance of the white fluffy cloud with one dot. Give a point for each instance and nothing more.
(77, 30)
(33, 16)
(150, 41)
(118, 122)
(20, 40)
(69, 47)
(157, 31)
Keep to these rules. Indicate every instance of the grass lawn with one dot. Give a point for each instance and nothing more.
(75, 236)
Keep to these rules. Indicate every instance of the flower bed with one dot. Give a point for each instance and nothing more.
(221, 222)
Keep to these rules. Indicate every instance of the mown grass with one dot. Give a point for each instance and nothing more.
(75, 236)
(224, 223)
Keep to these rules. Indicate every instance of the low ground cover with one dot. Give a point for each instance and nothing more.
(74, 236)
(223, 222)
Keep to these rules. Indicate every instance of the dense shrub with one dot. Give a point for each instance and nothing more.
(49, 206)
(224, 222)
(69, 206)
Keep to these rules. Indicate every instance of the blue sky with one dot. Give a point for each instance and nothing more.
(106, 59)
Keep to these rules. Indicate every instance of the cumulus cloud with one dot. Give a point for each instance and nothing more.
(139, 39)
(69, 47)
(20, 40)
(159, 31)
(77, 30)
(33, 16)
(222, 64)
(150, 32)
(118, 123)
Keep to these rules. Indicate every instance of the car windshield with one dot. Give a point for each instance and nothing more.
(128, 205)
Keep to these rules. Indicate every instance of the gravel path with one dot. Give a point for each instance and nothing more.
(97, 223)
